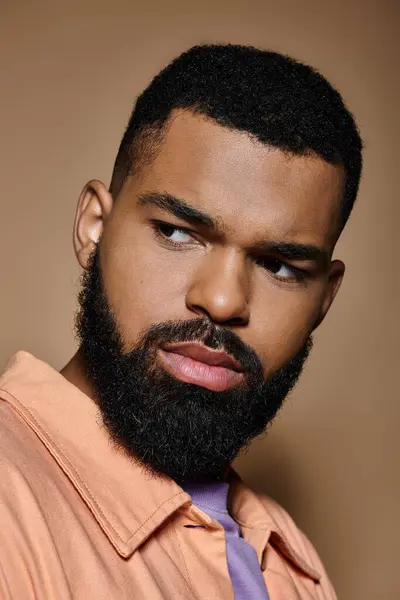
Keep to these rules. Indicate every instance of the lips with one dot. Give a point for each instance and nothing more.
(196, 364)
(216, 358)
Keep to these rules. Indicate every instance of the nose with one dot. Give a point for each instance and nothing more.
(219, 289)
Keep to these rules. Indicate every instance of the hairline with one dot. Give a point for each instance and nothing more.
(150, 137)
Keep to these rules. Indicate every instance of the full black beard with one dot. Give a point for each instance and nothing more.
(171, 427)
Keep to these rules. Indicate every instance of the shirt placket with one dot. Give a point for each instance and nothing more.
(203, 545)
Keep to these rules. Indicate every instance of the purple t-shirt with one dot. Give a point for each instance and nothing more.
(244, 568)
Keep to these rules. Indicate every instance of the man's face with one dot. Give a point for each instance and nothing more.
(251, 265)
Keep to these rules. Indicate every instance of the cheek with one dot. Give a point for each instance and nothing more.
(141, 287)
(282, 322)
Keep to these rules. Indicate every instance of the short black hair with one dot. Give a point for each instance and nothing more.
(275, 98)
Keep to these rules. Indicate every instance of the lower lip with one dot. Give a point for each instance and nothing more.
(217, 379)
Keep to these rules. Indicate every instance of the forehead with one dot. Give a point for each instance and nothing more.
(247, 185)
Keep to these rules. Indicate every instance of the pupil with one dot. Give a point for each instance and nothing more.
(275, 266)
(272, 264)
(167, 230)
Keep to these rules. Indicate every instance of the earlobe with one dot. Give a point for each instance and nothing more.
(94, 207)
(336, 274)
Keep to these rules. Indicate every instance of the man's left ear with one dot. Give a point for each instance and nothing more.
(335, 277)
(94, 207)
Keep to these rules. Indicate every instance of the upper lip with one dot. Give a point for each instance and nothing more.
(204, 354)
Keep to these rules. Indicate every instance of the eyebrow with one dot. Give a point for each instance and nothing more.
(182, 210)
(295, 251)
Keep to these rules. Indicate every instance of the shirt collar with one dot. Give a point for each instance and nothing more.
(128, 503)
(263, 521)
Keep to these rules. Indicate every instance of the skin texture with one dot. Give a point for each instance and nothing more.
(170, 423)
(257, 194)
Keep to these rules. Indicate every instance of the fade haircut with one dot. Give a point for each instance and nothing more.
(278, 100)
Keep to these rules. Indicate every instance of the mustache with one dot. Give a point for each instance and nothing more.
(215, 337)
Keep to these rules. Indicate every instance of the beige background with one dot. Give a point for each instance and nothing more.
(69, 74)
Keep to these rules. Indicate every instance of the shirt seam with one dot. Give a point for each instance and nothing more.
(184, 559)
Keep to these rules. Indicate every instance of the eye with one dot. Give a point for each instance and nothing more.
(282, 270)
(172, 234)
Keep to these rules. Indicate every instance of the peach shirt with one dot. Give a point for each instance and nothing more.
(79, 519)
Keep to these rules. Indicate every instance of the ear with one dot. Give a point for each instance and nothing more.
(94, 207)
(335, 278)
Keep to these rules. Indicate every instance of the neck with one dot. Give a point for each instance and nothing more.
(75, 372)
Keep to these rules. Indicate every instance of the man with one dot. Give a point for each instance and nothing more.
(207, 266)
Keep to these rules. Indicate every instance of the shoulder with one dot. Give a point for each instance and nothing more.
(27, 491)
(28, 474)
(20, 460)
(17, 440)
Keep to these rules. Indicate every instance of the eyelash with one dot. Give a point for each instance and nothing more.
(299, 275)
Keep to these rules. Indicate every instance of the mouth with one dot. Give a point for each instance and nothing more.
(194, 363)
